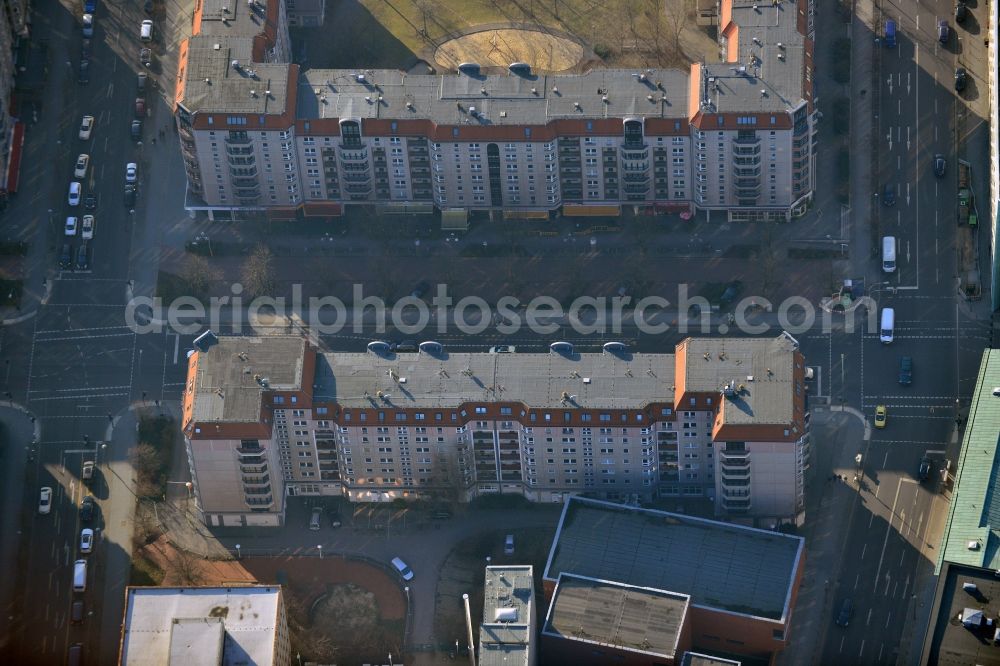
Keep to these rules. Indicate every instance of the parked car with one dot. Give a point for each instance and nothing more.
(71, 226)
(82, 261)
(86, 540)
(940, 165)
(87, 227)
(732, 292)
(888, 195)
(924, 471)
(961, 11)
(943, 31)
(130, 195)
(146, 31)
(45, 500)
(88, 25)
(315, 518)
(140, 84)
(86, 127)
(147, 7)
(83, 77)
(508, 545)
(961, 79)
(905, 371)
(846, 611)
(881, 416)
(140, 107)
(90, 202)
(76, 612)
(136, 130)
(66, 256)
(82, 163)
(90, 6)
(502, 349)
(87, 508)
(404, 346)
(75, 192)
(131, 172)
(401, 568)
(88, 470)
(146, 57)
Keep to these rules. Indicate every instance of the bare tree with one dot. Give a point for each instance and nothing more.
(677, 18)
(426, 9)
(258, 272)
(148, 464)
(199, 273)
(183, 567)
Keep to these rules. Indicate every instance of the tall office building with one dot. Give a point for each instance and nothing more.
(267, 417)
(259, 136)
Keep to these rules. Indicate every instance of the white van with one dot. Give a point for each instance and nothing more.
(146, 31)
(80, 576)
(888, 323)
(889, 254)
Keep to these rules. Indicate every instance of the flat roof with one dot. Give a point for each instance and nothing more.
(506, 636)
(974, 514)
(499, 99)
(949, 642)
(213, 85)
(760, 371)
(699, 659)
(158, 620)
(232, 376)
(719, 565)
(604, 380)
(616, 615)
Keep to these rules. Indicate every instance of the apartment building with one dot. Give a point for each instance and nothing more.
(14, 26)
(205, 625)
(259, 136)
(269, 417)
(645, 587)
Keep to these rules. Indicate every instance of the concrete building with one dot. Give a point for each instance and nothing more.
(641, 586)
(259, 136)
(268, 417)
(14, 27)
(964, 618)
(507, 634)
(205, 625)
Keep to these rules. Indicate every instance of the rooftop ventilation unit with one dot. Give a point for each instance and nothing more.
(360, 78)
(235, 64)
(409, 105)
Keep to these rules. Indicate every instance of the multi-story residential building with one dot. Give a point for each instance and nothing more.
(260, 136)
(205, 625)
(507, 634)
(267, 417)
(639, 586)
(14, 26)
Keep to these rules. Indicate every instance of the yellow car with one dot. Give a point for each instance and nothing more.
(880, 416)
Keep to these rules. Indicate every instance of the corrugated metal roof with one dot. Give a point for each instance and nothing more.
(974, 514)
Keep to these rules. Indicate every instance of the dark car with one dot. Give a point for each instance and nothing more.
(939, 165)
(732, 292)
(141, 82)
(846, 611)
(961, 78)
(146, 56)
(85, 49)
(924, 471)
(961, 11)
(81, 257)
(889, 195)
(905, 371)
(405, 346)
(140, 107)
(66, 256)
(84, 75)
(136, 130)
(87, 508)
(943, 31)
(76, 612)
(148, 7)
(130, 196)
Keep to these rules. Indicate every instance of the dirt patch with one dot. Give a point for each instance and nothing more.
(181, 568)
(499, 48)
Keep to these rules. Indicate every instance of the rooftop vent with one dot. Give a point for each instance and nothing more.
(555, 90)
(235, 64)
(576, 105)
(360, 78)
(763, 93)
(208, 80)
(368, 99)
(472, 111)
(483, 90)
(780, 45)
(253, 93)
(225, 9)
(267, 93)
(534, 91)
(996, 391)
(604, 98)
(781, 56)
(409, 105)
(649, 97)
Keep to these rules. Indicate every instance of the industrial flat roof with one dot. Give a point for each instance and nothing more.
(974, 514)
(499, 99)
(506, 637)
(949, 642)
(615, 614)
(719, 565)
(233, 374)
(160, 620)
(604, 380)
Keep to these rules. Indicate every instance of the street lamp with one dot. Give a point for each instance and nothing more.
(320, 547)
(237, 551)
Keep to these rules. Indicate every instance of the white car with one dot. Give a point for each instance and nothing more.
(45, 500)
(82, 162)
(131, 171)
(86, 127)
(86, 540)
(400, 566)
(88, 25)
(87, 227)
(71, 226)
(146, 31)
(75, 192)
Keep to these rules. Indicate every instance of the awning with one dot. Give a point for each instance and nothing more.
(526, 215)
(673, 206)
(591, 211)
(14, 163)
(455, 220)
(408, 208)
(280, 214)
(323, 209)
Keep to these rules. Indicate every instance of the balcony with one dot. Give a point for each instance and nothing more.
(264, 480)
(238, 140)
(329, 476)
(736, 505)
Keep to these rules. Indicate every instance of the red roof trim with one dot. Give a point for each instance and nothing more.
(14, 163)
